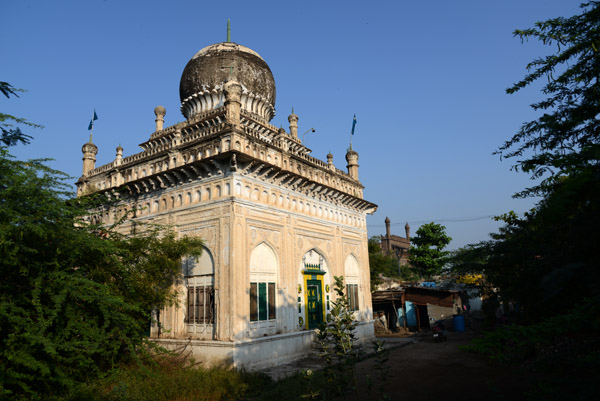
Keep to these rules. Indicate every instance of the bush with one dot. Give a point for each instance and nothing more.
(167, 381)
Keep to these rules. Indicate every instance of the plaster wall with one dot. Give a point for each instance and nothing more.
(232, 228)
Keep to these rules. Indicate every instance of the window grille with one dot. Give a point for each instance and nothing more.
(262, 301)
(201, 301)
(352, 294)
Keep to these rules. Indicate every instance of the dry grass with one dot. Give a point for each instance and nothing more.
(171, 377)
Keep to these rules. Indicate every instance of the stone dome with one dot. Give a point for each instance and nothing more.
(201, 85)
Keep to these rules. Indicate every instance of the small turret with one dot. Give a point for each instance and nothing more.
(352, 159)
(160, 113)
(407, 230)
(89, 151)
(330, 161)
(293, 119)
(119, 157)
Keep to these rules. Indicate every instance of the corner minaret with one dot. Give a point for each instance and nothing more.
(89, 151)
(407, 230)
(330, 161)
(160, 113)
(119, 156)
(352, 159)
(293, 119)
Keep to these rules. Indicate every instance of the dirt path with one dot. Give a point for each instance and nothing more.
(422, 370)
(426, 370)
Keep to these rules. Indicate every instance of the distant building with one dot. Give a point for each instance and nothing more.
(278, 224)
(394, 245)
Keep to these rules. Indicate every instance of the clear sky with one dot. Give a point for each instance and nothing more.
(426, 80)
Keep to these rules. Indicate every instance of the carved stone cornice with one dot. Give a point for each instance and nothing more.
(203, 147)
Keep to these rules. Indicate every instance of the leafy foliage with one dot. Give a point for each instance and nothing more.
(565, 139)
(516, 343)
(75, 298)
(337, 341)
(469, 259)
(427, 255)
(382, 367)
(380, 264)
(10, 132)
(170, 379)
(546, 260)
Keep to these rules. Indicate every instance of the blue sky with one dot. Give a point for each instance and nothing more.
(426, 81)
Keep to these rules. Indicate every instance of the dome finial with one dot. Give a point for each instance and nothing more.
(228, 31)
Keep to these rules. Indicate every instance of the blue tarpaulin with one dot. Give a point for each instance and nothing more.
(411, 314)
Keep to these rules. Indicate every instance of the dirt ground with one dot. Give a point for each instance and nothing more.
(420, 369)
(425, 370)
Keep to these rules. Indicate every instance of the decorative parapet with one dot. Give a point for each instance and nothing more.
(202, 134)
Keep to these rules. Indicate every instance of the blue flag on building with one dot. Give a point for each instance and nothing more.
(353, 124)
(94, 118)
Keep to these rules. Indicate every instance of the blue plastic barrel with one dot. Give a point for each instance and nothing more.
(459, 323)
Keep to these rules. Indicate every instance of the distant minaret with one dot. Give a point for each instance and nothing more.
(407, 229)
(385, 241)
(388, 231)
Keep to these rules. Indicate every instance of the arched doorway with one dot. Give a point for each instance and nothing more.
(313, 290)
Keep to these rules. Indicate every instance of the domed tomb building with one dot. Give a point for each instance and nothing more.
(278, 224)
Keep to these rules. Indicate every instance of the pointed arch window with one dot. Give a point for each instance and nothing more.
(263, 290)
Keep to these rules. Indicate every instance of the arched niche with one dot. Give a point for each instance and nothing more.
(202, 265)
(351, 269)
(263, 262)
(263, 291)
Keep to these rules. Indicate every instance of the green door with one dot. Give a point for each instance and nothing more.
(315, 303)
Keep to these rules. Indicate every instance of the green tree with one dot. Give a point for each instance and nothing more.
(75, 298)
(550, 254)
(564, 140)
(380, 264)
(547, 260)
(427, 255)
(470, 259)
